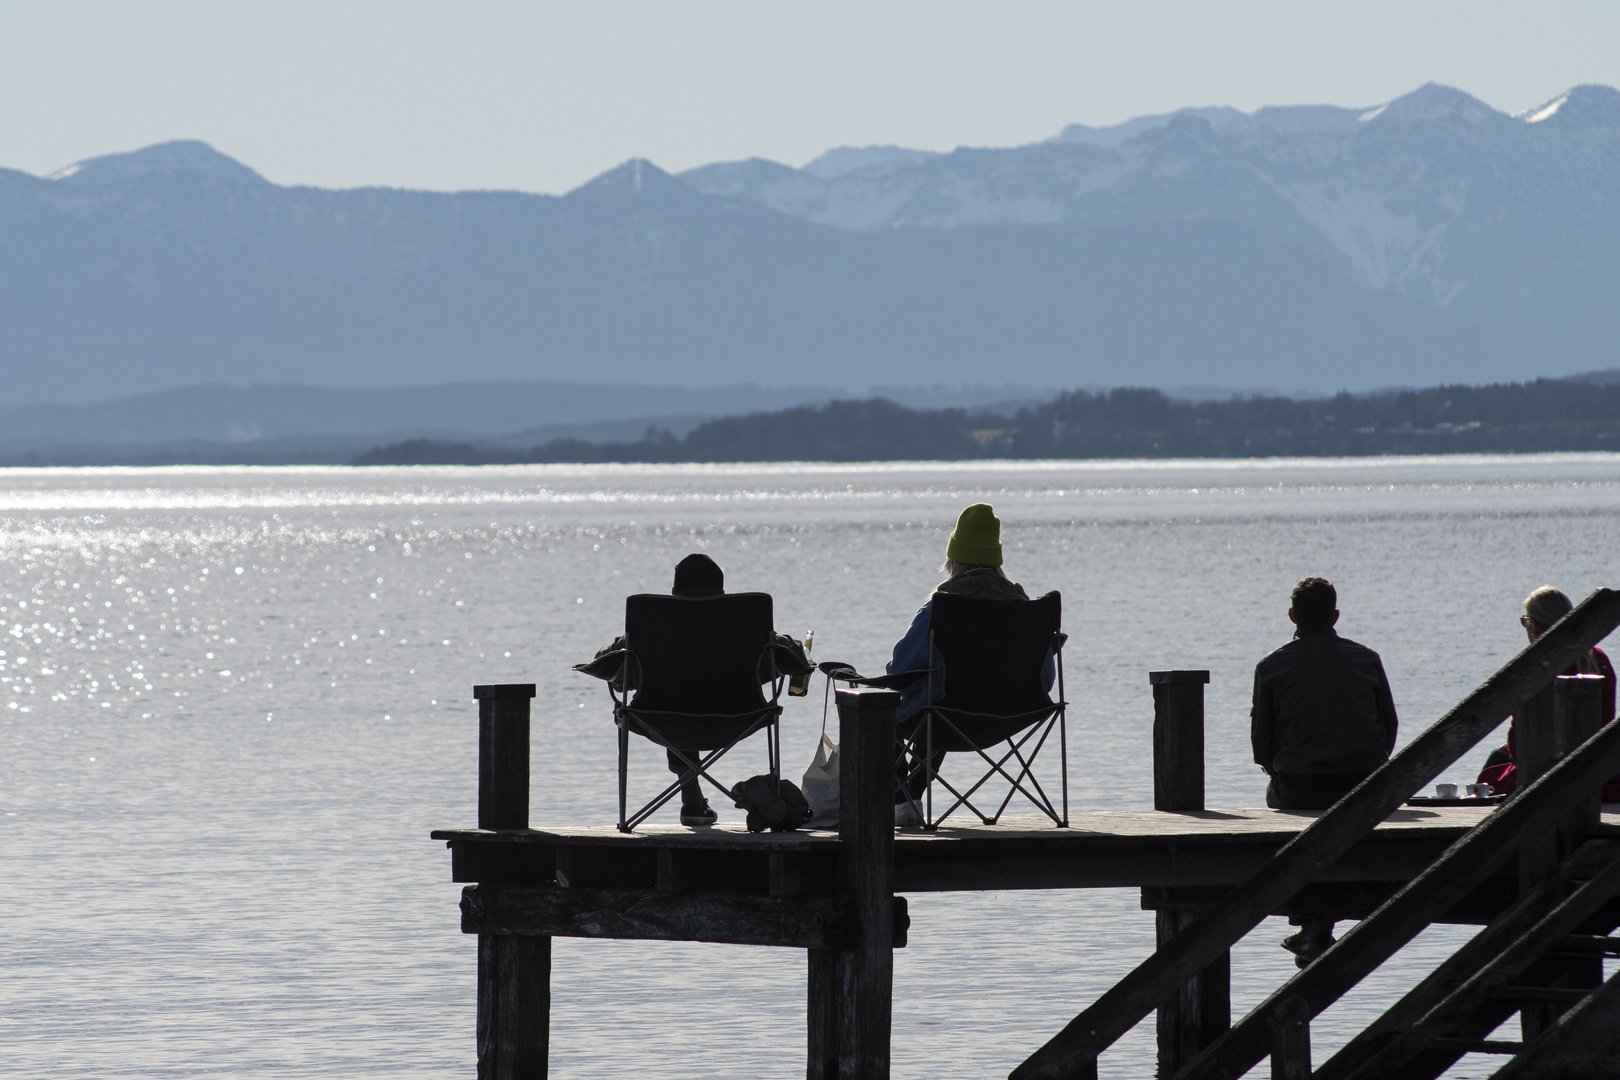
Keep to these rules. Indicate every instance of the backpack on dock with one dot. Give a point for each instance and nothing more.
(780, 807)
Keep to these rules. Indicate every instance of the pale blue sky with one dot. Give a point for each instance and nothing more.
(542, 96)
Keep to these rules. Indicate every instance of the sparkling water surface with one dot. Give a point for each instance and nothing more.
(234, 702)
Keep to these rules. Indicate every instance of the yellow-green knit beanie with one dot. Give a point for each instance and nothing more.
(976, 538)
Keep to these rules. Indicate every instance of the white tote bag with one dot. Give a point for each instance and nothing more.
(821, 786)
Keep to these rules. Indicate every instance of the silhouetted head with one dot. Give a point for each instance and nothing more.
(1542, 608)
(1314, 603)
(698, 575)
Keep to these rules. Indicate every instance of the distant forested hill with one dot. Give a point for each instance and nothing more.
(1548, 414)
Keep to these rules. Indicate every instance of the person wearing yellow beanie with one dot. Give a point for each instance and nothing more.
(972, 568)
(976, 540)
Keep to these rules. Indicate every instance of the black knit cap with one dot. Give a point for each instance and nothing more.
(699, 575)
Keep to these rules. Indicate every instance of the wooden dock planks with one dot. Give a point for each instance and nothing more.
(1110, 849)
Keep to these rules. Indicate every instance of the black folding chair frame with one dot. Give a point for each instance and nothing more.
(696, 763)
(1042, 722)
(769, 721)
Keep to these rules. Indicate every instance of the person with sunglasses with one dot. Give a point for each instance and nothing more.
(1542, 608)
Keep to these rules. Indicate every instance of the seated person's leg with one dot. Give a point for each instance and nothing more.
(909, 772)
(693, 804)
(1314, 792)
(1309, 793)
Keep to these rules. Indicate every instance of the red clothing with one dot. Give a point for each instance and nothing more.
(1503, 776)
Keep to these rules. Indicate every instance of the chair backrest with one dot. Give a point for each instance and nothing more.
(994, 651)
(699, 654)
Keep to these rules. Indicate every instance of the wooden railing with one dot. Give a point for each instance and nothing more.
(1465, 865)
(1073, 1052)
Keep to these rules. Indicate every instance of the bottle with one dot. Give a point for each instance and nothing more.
(799, 685)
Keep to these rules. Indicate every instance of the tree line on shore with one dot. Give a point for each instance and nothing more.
(1547, 414)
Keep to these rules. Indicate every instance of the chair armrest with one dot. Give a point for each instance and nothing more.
(790, 659)
(900, 680)
(606, 667)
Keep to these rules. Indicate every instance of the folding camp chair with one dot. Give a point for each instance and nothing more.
(988, 693)
(690, 681)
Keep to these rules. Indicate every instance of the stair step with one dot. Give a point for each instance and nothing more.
(1478, 1046)
(1539, 993)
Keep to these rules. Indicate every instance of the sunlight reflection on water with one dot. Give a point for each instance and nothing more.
(235, 701)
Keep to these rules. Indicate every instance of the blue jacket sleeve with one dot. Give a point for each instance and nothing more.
(911, 651)
(911, 654)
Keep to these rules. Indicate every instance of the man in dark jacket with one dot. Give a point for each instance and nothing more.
(1323, 719)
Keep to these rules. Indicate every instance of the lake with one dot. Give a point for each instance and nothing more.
(234, 702)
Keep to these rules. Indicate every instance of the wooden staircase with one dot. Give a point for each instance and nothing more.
(1530, 960)
(1541, 957)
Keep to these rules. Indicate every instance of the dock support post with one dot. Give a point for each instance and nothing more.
(514, 971)
(1291, 1041)
(1197, 1015)
(1178, 739)
(1557, 720)
(851, 991)
(821, 1015)
(1577, 716)
(514, 1006)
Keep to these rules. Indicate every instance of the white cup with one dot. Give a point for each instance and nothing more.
(1480, 791)
(1445, 791)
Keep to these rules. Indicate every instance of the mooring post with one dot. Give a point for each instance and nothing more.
(1202, 1010)
(852, 990)
(1545, 728)
(1535, 749)
(1577, 716)
(514, 970)
(1178, 739)
(503, 755)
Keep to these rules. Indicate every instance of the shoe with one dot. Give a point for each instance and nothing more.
(702, 814)
(1311, 941)
(905, 814)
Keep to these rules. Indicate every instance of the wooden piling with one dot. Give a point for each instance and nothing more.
(1290, 1031)
(851, 990)
(1569, 713)
(1196, 1015)
(1178, 739)
(821, 1014)
(503, 755)
(514, 970)
(1577, 716)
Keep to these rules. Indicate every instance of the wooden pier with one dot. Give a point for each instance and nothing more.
(1546, 854)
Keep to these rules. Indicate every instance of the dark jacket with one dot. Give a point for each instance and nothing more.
(1321, 706)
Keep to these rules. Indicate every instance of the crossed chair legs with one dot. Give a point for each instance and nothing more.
(695, 762)
(917, 748)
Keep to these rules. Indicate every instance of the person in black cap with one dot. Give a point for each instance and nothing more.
(696, 576)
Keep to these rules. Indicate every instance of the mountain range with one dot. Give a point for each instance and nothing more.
(1432, 239)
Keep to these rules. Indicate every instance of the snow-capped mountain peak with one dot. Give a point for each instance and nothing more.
(189, 157)
(1585, 105)
(1432, 102)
